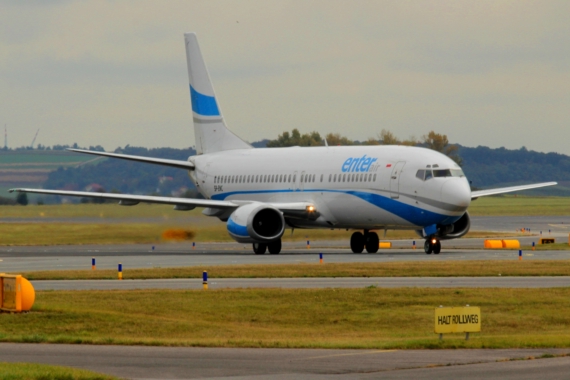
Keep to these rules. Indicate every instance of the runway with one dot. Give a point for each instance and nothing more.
(308, 283)
(146, 363)
(20, 259)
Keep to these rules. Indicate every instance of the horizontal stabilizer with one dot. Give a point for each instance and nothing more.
(502, 190)
(150, 160)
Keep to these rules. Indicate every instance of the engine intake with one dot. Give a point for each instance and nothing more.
(455, 230)
(256, 223)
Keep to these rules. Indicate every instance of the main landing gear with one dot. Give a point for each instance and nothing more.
(368, 240)
(273, 247)
(432, 245)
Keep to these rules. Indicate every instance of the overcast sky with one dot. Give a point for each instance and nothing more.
(111, 73)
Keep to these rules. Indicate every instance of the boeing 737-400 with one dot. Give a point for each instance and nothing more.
(262, 192)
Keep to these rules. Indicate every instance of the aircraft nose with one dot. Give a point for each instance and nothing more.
(457, 192)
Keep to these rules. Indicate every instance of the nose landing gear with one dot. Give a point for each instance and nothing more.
(368, 240)
(432, 245)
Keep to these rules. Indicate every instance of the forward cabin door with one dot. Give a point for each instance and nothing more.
(395, 180)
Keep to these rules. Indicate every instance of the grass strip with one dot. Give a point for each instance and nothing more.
(506, 205)
(150, 233)
(28, 371)
(324, 318)
(475, 268)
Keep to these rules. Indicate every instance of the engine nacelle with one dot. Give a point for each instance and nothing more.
(256, 223)
(451, 231)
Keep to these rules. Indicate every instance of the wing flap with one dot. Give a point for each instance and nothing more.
(149, 160)
(502, 190)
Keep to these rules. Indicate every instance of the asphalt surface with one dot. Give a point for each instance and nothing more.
(249, 363)
(307, 283)
(20, 259)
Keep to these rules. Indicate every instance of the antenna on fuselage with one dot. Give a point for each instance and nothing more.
(325, 140)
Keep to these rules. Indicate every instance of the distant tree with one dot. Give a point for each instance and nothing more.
(388, 138)
(22, 199)
(440, 143)
(371, 141)
(296, 139)
(7, 201)
(335, 139)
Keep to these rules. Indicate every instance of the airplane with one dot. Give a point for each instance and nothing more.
(261, 192)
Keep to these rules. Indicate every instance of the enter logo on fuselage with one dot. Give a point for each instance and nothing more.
(360, 164)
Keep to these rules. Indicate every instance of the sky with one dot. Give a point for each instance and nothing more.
(111, 73)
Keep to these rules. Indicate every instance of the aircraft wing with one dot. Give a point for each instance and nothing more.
(159, 161)
(501, 190)
(301, 210)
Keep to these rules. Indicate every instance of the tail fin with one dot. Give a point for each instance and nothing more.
(211, 132)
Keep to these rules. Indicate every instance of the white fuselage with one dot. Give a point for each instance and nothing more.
(372, 187)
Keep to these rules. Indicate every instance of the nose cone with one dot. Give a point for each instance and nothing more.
(456, 191)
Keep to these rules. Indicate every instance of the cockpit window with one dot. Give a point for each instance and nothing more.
(442, 173)
(448, 173)
(421, 174)
(428, 174)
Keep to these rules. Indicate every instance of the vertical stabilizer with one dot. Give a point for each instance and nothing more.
(211, 132)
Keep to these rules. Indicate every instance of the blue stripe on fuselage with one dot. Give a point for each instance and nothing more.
(415, 215)
(203, 104)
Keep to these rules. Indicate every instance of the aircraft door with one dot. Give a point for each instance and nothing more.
(395, 180)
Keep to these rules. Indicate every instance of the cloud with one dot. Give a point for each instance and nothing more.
(110, 73)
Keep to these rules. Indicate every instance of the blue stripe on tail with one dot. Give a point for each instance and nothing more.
(203, 104)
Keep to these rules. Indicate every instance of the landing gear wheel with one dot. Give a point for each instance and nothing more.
(274, 247)
(371, 242)
(259, 249)
(428, 247)
(437, 248)
(357, 242)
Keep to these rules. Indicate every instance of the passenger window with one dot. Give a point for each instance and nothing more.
(428, 175)
(322, 175)
(374, 177)
(294, 177)
(421, 174)
(344, 178)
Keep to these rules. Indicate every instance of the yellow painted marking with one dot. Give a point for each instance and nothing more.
(351, 354)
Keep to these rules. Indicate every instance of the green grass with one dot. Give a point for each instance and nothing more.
(482, 268)
(510, 205)
(27, 371)
(486, 206)
(66, 233)
(325, 318)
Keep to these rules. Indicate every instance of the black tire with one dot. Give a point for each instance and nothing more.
(428, 247)
(372, 242)
(357, 242)
(259, 249)
(274, 247)
(437, 248)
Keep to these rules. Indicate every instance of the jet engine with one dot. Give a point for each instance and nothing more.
(456, 229)
(256, 223)
(451, 231)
